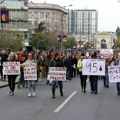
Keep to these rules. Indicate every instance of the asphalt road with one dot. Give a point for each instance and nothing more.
(74, 105)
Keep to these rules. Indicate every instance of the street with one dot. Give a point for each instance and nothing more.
(74, 105)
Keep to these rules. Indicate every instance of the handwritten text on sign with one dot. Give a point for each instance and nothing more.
(11, 68)
(114, 73)
(106, 53)
(57, 73)
(93, 67)
(30, 71)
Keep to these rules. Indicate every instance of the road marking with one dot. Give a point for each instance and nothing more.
(65, 102)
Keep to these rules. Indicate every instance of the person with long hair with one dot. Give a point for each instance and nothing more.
(31, 83)
(83, 78)
(11, 78)
(94, 78)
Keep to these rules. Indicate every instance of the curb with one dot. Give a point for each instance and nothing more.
(6, 85)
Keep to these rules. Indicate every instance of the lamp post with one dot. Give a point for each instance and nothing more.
(62, 37)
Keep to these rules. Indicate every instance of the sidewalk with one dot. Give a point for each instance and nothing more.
(5, 83)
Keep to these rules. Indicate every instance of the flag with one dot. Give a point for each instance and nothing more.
(4, 16)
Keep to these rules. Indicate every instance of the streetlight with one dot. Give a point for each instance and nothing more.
(62, 37)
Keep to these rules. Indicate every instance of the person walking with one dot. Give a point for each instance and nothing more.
(117, 62)
(56, 62)
(31, 83)
(83, 78)
(11, 78)
(94, 78)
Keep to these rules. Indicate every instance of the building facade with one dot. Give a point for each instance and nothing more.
(103, 40)
(18, 18)
(53, 16)
(82, 22)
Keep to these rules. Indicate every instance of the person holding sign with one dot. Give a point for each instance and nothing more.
(56, 62)
(30, 73)
(83, 78)
(94, 78)
(117, 62)
(12, 78)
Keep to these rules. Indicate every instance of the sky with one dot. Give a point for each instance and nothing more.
(108, 10)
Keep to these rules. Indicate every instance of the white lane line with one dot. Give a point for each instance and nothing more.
(65, 102)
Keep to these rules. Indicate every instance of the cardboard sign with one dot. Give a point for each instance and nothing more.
(57, 73)
(30, 71)
(11, 68)
(106, 53)
(114, 73)
(93, 67)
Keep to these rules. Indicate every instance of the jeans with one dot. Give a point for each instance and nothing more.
(11, 82)
(68, 75)
(105, 81)
(31, 85)
(94, 83)
(60, 83)
(118, 87)
(83, 79)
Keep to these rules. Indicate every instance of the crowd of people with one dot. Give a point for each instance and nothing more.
(72, 62)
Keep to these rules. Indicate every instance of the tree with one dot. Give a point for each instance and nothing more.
(41, 27)
(118, 41)
(69, 42)
(118, 31)
(11, 39)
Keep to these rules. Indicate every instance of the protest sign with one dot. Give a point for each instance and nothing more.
(30, 71)
(93, 67)
(106, 53)
(11, 68)
(57, 73)
(114, 73)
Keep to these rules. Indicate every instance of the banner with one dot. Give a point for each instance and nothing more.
(57, 73)
(114, 73)
(93, 67)
(11, 68)
(30, 71)
(106, 53)
(4, 16)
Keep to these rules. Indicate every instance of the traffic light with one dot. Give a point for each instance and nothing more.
(59, 38)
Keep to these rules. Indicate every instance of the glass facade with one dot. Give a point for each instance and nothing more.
(82, 22)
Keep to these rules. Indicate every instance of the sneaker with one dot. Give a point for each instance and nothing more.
(29, 95)
(33, 94)
(53, 97)
(11, 94)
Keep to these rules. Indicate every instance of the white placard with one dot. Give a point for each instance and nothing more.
(30, 71)
(106, 53)
(57, 73)
(93, 67)
(11, 68)
(114, 73)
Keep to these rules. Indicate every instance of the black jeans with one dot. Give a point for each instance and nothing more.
(83, 79)
(60, 83)
(1, 72)
(94, 83)
(11, 82)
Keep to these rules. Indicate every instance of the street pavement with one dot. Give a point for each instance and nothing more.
(74, 105)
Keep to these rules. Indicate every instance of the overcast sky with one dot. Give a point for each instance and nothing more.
(108, 10)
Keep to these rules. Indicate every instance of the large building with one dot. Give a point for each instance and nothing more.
(54, 17)
(18, 18)
(82, 22)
